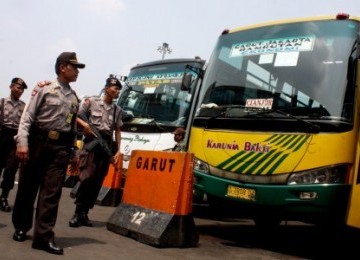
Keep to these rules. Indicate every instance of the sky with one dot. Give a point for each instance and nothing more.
(111, 36)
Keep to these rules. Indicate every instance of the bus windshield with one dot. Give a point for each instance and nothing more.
(303, 69)
(153, 94)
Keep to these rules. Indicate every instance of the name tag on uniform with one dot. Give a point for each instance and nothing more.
(69, 118)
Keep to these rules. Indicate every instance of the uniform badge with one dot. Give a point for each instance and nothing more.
(69, 118)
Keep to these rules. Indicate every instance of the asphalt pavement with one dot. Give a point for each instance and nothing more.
(98, 242)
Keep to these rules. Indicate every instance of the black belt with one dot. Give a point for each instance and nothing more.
(54, 136)
(8, 130)
(105, 136)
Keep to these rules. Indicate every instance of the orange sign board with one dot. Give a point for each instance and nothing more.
(161, 181)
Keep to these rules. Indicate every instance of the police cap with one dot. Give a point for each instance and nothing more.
(113, 81)
(19, 81)
(69, 57)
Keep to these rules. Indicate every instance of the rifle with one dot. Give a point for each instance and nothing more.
(98, 140)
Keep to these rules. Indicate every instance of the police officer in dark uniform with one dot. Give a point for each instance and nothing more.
(44, 141)
(105, 116)
(11, 109)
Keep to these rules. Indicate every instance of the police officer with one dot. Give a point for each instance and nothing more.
(11, 109)
(105, 116)
(44, 141)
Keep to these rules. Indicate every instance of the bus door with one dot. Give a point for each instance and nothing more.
(353, 217)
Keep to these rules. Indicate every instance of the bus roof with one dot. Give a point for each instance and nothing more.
(159, 62)
(339, 16)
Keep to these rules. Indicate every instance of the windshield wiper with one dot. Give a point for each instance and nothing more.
(215, 111)
(313, 128)
(157, 125)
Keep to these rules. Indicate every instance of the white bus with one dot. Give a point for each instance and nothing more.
(155, 105)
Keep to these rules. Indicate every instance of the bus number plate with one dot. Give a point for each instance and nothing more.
(240, 193)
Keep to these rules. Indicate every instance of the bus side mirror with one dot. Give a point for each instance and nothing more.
(123, 78)
(186, 82)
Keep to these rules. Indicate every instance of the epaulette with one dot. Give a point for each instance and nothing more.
(40, 85)
(43, 83)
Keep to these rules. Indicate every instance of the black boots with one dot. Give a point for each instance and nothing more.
(80, 219)
(19, 235)
(4, 206)
(50, 247)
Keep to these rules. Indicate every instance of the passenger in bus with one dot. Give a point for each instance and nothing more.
(179, 136)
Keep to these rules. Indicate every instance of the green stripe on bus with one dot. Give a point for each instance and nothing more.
(277, 164)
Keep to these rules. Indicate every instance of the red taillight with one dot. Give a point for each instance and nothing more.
(342, 16)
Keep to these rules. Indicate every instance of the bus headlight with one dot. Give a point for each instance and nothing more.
(201, 166)
(334, 174)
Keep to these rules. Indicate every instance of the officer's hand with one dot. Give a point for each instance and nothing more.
(22, 153)
(117, 156)
(88, 131)
(73, 165)
(115, 161)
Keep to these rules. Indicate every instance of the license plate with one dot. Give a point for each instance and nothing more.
(240, 193)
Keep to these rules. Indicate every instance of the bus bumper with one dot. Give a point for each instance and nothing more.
(311, 203)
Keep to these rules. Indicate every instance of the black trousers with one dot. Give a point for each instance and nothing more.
(8, 160)
(93, 168)
(44, 175)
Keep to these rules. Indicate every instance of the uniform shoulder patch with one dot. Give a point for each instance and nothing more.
(43, 83)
